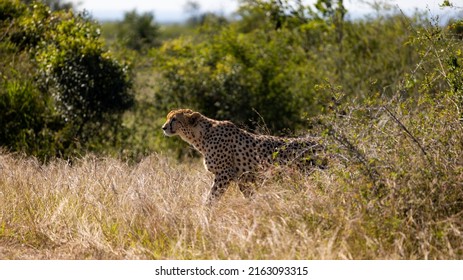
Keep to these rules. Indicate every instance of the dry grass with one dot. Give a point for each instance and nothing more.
(103, 208)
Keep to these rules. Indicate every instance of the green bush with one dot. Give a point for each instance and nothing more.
(89, 86)
(138, 31)
(24, 116)
(229, 77)
(63, 62)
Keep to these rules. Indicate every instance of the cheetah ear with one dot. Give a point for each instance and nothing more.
(193, 118)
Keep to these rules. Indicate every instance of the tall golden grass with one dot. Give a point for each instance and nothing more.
(104, 208)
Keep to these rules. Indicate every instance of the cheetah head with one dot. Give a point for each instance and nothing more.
(180, 122)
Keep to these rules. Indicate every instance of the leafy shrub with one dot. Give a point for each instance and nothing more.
(84, 87)
(89, 86)
(10, 10)
(138, 32)
(24, 118)
(229, 77)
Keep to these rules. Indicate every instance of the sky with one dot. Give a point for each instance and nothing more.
(166, 11)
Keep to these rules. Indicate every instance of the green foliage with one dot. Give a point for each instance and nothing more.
(456, 28)
(89, 86)
(200, 19)
(10, 10)
(272, 60)
(228, 77)
(25, 118)
(138, 31)
(61, 57)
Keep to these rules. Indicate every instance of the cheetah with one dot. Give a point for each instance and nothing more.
(234, 154)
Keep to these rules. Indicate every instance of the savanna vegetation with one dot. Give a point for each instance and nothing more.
(86, 173)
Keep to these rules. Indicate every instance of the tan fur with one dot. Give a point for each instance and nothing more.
(233, 154)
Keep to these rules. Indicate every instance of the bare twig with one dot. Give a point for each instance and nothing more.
(6, 31)
(371, 170)
(405, 129)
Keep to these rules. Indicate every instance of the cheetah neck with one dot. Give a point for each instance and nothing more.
(196, 137)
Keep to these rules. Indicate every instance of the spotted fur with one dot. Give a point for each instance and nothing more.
(234, 154)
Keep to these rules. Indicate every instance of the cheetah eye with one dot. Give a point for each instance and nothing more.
(173, 119)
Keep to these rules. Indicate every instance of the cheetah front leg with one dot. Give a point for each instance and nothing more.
(247, 184)
(220, 185)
